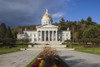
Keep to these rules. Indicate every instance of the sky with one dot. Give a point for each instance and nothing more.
(16, 13)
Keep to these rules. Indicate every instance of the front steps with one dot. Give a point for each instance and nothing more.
(57, 46)
(49, 42)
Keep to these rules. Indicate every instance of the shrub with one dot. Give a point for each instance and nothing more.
(48, 55)
(47, 44)
(89, 46)
(48, 58)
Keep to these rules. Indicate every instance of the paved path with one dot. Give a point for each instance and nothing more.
(18, 59)
(72, 58)
(80, 59)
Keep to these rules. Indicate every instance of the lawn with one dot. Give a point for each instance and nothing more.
(79, 47)
(14, 49)
(73, 45)
(93, 50)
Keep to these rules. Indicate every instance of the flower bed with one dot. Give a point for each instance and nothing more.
(48, 58)
(89, 46)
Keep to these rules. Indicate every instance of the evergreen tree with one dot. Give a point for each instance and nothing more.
(62, 24)
(89, 19)
(15, 34)
(82, 20)
(62, 20)
(3, 30)
(9, 33)
(56, 23)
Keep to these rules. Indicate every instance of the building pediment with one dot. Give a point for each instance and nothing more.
(47, 26)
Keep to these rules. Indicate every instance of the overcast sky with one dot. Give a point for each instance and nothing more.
(29, 12)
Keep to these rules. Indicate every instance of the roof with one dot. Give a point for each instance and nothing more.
(47, 25)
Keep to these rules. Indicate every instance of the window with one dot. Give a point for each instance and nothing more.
(39, 39)
(30, 34)
(66, 34)
(39, 34)
(54, 39)
(34, 39)
(34, 35)
(30, 39)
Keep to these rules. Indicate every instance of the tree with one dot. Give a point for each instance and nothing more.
(9, 33)
(8, 42)
(3, 30)
(89, 19)
(82, 20)
(91, 32)
(76, 35)
(62, 20)
(80, 32)
(56, 23)
(90, 22)
(73, 30)
(6, 36)
(62, 24)
(14, 33)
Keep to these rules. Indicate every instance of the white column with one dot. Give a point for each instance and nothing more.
(48, 35)
(52, 35)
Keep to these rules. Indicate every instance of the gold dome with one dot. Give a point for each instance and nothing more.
(46, 16)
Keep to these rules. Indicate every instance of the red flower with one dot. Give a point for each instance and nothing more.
(60, 65)
(36, 63)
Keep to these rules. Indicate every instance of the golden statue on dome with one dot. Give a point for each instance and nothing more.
(46, 15)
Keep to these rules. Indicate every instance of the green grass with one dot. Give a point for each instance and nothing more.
(9, 50)
(79, 47)
(73, 45)
(94, 50)
(29, 65)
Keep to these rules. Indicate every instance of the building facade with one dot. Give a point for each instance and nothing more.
(46, 32)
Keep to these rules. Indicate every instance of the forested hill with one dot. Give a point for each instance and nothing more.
(80, 29)
(20, 29)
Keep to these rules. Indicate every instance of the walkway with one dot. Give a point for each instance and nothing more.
(80, 59)
(18, 59)
(72, 58)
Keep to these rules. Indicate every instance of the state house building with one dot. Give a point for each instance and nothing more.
(46, 32)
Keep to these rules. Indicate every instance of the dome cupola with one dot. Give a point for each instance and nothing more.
(46, 19)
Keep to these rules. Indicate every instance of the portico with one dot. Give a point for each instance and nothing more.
(47, 35)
